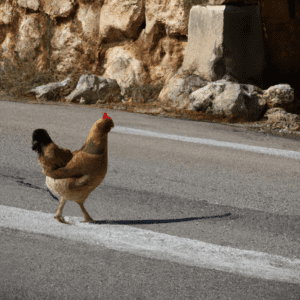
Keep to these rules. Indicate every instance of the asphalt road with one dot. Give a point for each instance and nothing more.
(178, 188)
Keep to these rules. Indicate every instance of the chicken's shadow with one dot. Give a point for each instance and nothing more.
(150, 222)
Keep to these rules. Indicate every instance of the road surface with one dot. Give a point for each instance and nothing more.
(213, 190)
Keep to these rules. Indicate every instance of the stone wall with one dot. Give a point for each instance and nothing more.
(144, 41)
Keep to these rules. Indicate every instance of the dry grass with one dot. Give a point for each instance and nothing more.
(18, 78)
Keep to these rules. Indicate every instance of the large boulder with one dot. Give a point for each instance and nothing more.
(169, 55)
(28, 43)
(74, 42)
(215, 46)
(128, 71)
(88, 14)
(121, 19)
(67, 49)
(6, 13)
(281, 95)
(7, 47)
(229, 99)
(278, 118)
(30, 37)
(172, 14)
(58, 8)
(91, 88)
(31, 4)
(179, 88)
(50, 91)
(161, 44)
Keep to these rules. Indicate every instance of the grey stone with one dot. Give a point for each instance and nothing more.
(229, 99)
(49, 91)
(179, 88)
(93, 88)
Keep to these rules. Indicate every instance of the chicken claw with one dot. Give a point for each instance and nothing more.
(87, 217)
(61, 219)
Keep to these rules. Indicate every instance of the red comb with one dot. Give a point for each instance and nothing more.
(105, 116)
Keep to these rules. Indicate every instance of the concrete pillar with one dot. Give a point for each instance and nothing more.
(225, 39)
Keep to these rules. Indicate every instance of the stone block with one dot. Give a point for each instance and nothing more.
(223, 40)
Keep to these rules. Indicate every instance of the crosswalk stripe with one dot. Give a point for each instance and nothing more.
(157, 245)
(209, 142)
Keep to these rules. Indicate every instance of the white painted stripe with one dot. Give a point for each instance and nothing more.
(157, 245)
(209, 142)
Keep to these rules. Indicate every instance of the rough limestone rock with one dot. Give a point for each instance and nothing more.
(74, 42)
(78, 43)
(92, 88)
(202, 99)
(6, 13)
(215, 46)
(173, 15)
(29, 44)
(58, 8)
(280, 95)
(7, 47)
(67, 49)
(30, 37)
(50, 91)
(121, 19)
(229, 99)
(125, 69)
(163, 55)
(172, 58)
(278, 118)
(179, 88)
(31, 4)
(89, 15)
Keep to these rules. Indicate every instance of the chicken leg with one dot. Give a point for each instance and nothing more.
(87, 217)
(58, 216)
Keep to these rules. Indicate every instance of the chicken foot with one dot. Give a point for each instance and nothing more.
(87, 217)
(58, 216)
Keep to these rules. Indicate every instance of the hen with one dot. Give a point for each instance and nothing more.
(73, 176)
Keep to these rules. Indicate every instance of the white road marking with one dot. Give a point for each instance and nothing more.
(209, 142)
(157, 245)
